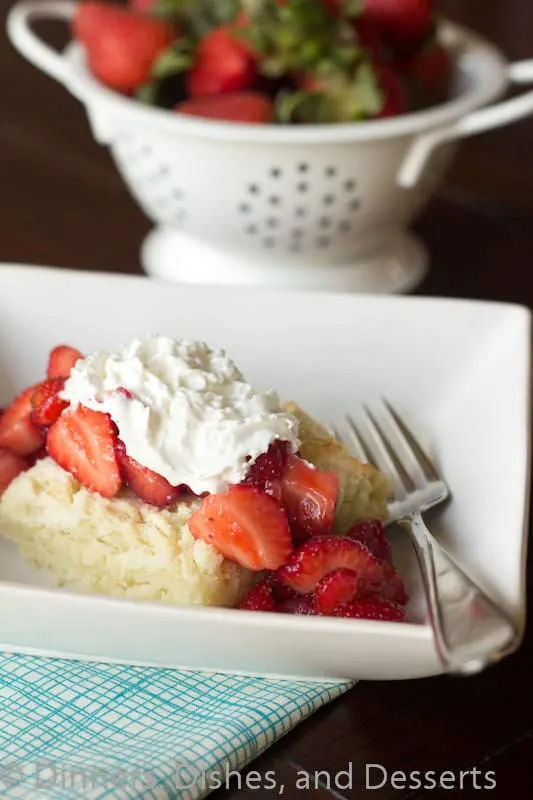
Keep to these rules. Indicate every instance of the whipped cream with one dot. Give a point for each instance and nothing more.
(191, 417)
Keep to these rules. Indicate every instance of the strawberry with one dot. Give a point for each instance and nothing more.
(323, 554)
(83, 443)
(404, 21)
(17, 431)
(37, 456)
(371, 533)
(121, 44)
(309, 497)
(148, 485)
(267, 470)
(260, 597)
(335, 588)
(429, 73)
(302, 605)
(246, 526)
(246, 107)
(224, 65)
(11, 465)
(395, 96)
(393, 588)
(46, 403)
(370, 608)
(61, 360)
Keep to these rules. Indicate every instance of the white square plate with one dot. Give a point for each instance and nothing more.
(459, 370)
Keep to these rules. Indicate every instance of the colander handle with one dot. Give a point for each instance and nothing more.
(30, 45)
(486, 119)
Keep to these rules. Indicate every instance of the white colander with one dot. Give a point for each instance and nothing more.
(311, 206)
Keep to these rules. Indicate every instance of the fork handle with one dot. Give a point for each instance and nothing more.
(470, 631)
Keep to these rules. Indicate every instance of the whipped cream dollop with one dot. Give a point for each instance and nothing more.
(182, 410)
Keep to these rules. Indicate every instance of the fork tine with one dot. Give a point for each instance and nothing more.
(376, 455)
(360, 450)
(412, 445)
(395, 460)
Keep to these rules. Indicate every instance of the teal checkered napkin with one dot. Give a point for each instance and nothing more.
(71, 730)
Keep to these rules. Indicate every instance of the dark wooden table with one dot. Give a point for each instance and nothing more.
(63, 204)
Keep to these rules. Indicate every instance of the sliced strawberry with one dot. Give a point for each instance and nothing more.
(224, 65)
(17, 431)
(335, 588)
(260, 598)
(61, 360)
(371, 609)
(371, 533)
(323, 554)
(83, 443)
(46, 403)
(246, 526)
(281, 591)
(246, 107)
(268, 468)
(302, 605)
(429, 72)
(121, 44)
(11, 465)
(393, 588)
(309, 497)
(148, 485)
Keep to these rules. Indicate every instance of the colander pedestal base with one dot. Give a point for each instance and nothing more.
(171, 255)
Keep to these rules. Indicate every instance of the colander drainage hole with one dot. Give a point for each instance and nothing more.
(272, 222)
(276, 172)
(297, 233)
(325, 222)
(329, 199)
(350, 185)
(323, 241)
(269, 241)
(303, 167)
(301, 212)
(331, 172)
(251, 229)
(355, 205)
(274, 200)
(253, 188)
(245, 208)
(345, 226)
(303, 187)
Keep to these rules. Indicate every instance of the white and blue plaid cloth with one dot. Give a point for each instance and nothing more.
(73, 730)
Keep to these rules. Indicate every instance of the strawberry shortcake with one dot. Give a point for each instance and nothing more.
(157, 472)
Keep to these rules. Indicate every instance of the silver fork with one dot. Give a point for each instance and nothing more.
(470, 630)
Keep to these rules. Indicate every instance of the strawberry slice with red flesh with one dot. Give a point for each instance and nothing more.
(11, 466)
(372, 534)
(323, 554)
(151, 487)
(251, 108)
(309, 497)
(370, 608)
(61, 360)
(267, 470)
(336, 588)
(46, 403)
(83, 443)
(246, 526)
(224, 65)
(259, 598)
(17, 431)
(121, 44)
